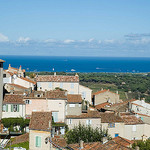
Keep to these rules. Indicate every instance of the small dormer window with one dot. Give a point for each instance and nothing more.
(38, 95)
(28, 101)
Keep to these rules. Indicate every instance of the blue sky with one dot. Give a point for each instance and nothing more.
(75, 28)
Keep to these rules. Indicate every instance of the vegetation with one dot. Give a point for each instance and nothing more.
(143, 145)
(85, 133)
(23, 145)
(129, 85)
(11, 123)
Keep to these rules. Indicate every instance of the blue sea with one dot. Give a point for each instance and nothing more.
(78, 64)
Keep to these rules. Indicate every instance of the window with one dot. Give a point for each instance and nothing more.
(5, 108)
(14, 108)
(37, 141)
(88, 122)
(70, 121)
(83, 95)
(28, 101)
(61, 85)
(71, 105)
(111, 125)
(50, 85)
(4, 75)
(141, 118)
(55, 116)
(116, 134)
(134, 128)
(72, 85)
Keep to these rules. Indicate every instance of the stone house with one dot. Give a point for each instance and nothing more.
(140, 107)
(13, 106)
(54, 101)
(40, 131)
(105, 96)
(91, 118)
(74, 104)
(17, 77)
(69, 83)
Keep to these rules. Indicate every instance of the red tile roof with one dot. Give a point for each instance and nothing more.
(2, 60)
(41, 121)
(74, 98)
(122, 141)
(13, 99)
(99, 106)
(57, 78)
(90, 114)
(21, 139)
(59, 142)
(131, 119)
(103, 91)
(113, 145)
(87, 146)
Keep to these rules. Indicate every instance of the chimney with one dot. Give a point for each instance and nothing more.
(104, 140)
(81, 144)
(76, 75)
(54, 73)
(9, 65)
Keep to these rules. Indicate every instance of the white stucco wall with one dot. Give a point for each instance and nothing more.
(71, 87)
(95, 122)
(86, 93)
(10, 114)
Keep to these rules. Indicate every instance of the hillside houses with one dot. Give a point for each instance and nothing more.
(69, 83)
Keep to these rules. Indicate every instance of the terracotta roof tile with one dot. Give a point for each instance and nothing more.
(110, 118)
(21, 139)
(131, 119)
(61, 142)
(122, 141)
(74, 98)
(41, 121)
(53, 94)
(103, 91)
(13, 99)
(87, 146)
(90, 114)
(57, 78)
(101, 105)
(2, 60)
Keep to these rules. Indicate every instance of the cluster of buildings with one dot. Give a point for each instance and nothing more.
(53, 101)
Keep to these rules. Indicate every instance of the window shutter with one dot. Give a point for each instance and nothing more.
(36, 141)
(39, 141)
(11, 108)
(17, 108)
(6, 108)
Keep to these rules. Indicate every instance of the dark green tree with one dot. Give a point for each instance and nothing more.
(86, 133)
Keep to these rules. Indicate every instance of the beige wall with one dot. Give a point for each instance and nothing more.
(24, 83)
(130, 133)
(86, 93)
(119, 128)
(74, 109)
(32, 140)
(71, 87)
(47, 105)
(140, 109)
(95, 122)
(105, 96)
(10, 114)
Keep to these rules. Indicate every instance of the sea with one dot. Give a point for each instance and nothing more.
(78, 64)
